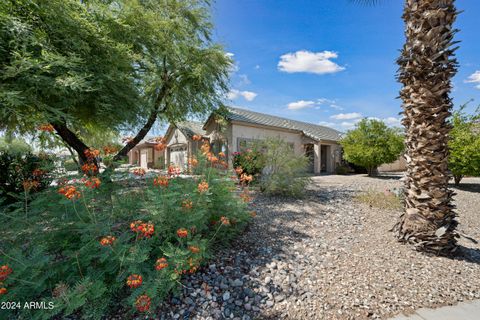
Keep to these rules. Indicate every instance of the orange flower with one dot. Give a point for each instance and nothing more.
(145, 229)
(89, 168)
(160, 181)
(3, 291)
(239, 170)
(143, 303)
(182, 233)
(107, 241)
(139, 172)
(253, 214)
(91, 153)
(38, 172)
(244, 195)
(187, 204)
(93, 183)
(221, 154)
(161, 264)
(193, 162)
(246, 178)
(5, 271)
(30, 184)
(134, 281)
(203, 187)
(47, 127)
(225, 221)
(173, 171)
(194, 249)
(160, 147)
(109, 150)
(211, 157)
(196, 137)
(70, 192)
(224, 164)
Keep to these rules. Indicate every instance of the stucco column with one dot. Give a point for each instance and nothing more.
(317, 158)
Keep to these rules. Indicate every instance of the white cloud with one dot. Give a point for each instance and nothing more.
(257, 67)
(474, 78)
(301, 104)
(310, 62)
(247, 95)
(327, 124)
(243, 79)
(325, 101)
(346, 116)
(349, 124)
(392, 121)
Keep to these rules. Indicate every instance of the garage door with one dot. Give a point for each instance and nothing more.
(178, 156)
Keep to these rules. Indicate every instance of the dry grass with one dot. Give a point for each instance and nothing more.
(381, 200)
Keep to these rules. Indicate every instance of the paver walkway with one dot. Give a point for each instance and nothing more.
(469, 310)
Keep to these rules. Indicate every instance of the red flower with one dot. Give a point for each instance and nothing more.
(109, 150)
(239, 170)
(203, 187)
(161, 264)
(143, 303)
(134, 281)
(3, 291)
(173, 171)
(196, 137)
(93, 183)
(38, 172)
(91, 153)
(5, 270)
(182, 233)
(30, 184)
(107, 241)
(160, 181)
(89, 168)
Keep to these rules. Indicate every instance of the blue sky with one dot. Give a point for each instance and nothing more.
(329, 62)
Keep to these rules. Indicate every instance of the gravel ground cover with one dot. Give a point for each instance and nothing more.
(329, 256)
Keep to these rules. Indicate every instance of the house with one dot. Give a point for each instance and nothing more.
(238, 131)
(243, 127)
(180, 146)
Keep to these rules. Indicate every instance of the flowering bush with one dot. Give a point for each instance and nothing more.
(250, 162)
(91, 245)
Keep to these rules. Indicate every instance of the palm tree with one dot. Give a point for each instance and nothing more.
(427, 65)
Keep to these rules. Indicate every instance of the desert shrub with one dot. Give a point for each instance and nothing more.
(84, 245)
(22, 173)
(251, 161)
(285, 172)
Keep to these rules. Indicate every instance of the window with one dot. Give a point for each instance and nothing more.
(149, 155)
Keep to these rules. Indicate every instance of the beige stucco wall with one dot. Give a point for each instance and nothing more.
(399, 165)
(248, 132)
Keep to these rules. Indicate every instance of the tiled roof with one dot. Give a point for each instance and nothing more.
(191, 128)
(311, 130)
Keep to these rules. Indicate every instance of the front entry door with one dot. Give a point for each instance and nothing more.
(323, 158)
(144, 158)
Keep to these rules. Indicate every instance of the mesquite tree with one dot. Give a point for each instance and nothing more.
(113, 65)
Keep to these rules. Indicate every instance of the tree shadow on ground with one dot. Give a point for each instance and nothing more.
(467, 186)
(388, 176)
(470, 255)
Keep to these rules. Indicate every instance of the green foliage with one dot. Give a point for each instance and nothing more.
(70, 165)
(100, 65)
(464, 145)
(14, 146)
(252, 161)
(284, 172)
(342, 169)
(371, 144)
(22, 173)
(56, 255)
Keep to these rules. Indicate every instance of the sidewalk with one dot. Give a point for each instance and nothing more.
(469, 310)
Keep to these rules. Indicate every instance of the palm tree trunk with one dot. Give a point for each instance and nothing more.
(427, 65)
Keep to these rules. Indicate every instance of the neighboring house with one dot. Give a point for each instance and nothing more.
(180, 143)
(243, 127)
(398, 165)
(144, 155)
(240, 130)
